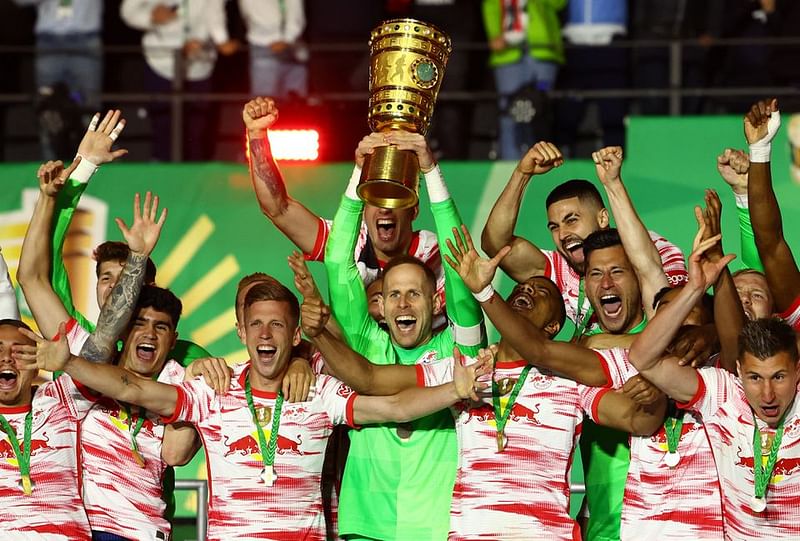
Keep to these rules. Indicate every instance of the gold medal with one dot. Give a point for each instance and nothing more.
(268, 475)
(505, 385)
(766, 442)
(138, 458)
(501, 441)
(27, 485)
(263, 415)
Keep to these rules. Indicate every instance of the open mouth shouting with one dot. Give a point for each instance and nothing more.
(611, 305)
(770, 411)
(386, 228)
(146, 352)
(405, 323)
(266, 352)
(522, 301)
(574, 247)
(8, 379)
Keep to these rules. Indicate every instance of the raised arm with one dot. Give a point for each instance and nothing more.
(616, 409)
(647, 350)
(299, 224)
(107, 379)
(418, 402)
(94, 151)
(525, 259)
(116, 313)
(567, 359)
(734, 166)
(639, 247)
(462, 310)
(783, 277)
(34, 262)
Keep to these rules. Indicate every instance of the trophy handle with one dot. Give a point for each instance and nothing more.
(390, 178)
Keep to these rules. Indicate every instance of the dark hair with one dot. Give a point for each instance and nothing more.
(160, 300)
(273, 290)
(764, 338)
(602, 238)
(15, 323)
(251, 279)
(118, 251)
(405, 259)
(706, 301)
(584, 190)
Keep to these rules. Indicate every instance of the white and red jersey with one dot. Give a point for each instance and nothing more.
(568, 281)
(681, 503)
(241, 505)
(120, 496)
(424, 246)
(728, 420)
(523, 492)
(54, 510)
(76, 336)
(792, 315)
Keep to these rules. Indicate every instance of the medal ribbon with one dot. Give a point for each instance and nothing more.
(23, 454)
(760, 473)
(267, 450)
(672, 427)
(501, 417)
(581, 324)
(136, 428)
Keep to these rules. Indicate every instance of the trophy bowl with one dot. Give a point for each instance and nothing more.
(407, 63)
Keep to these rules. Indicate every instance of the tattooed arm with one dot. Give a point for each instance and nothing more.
(294, 220)
(117, 310)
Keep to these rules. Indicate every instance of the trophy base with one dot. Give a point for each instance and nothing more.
(390, 178)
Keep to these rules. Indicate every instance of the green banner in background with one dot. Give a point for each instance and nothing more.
(215, 232)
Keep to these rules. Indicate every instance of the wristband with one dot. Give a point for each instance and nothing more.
(760, 152)
(741, 200)
(84, 171)
(484, 294)
(351, 192)
(437, 189)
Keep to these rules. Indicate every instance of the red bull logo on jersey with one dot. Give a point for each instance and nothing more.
(784, 467)
(248, 445)
(244, 446)
(7, 451)
(520, 413)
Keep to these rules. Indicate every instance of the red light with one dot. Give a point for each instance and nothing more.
(294, 144)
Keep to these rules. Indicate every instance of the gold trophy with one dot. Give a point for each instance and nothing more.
(407, 64)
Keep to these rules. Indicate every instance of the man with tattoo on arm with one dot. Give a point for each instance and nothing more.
(264, 456)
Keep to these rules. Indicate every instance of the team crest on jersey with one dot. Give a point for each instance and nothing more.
(7, 451)
(344, 391)
(429, 357)
(793, 428)
(542, 381)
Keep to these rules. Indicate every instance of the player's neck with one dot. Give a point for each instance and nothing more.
(506, 353)
(23, 400)
(266, 384)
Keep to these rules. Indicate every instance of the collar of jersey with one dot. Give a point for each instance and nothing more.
(257, 393)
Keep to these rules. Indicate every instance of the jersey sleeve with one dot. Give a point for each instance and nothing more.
(9, 309)
(589, 399)
(672, 260)
(346, 288)
(715, 387)
(76, 336)
(66, 203)
(792, 315)
(77, 398)
(438, 373)
(747, 239)
(323, 231)
(463, 311)
(338, 400)
(616, 366)
(194, 403)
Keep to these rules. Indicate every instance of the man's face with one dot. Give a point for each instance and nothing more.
(570, 221)
(240, 326)
(270, 334)
(107, 276)
(613, 289)
(150, 339)
(408, 305)
(375, 299)
(698, 316)
(537, 299)
(389, 229)
(15, 384)
(755, 295)
(770, 384)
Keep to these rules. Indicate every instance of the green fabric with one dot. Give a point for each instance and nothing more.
(396, 488)
(606, 456)
(544, 31)
(748, 249)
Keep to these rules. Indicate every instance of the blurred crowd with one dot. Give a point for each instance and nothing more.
(312, 57)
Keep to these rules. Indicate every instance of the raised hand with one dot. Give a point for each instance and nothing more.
(712, 217)
(298, 382)
(703, 272)
(52, 176)
(367, 146)
(475, 271)
(259, 114)
(416, 143)
(540, 158)
(314, 315)
(762, 121)
(733, 166)
(100, 137)
(47, 355)
(607, 164)
(466, 378)
(145, 231)
(215, 371)
(303, 280)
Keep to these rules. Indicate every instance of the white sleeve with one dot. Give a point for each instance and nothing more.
(295, 20)
(338, 400)
(8, 297)
(137, 14)
(217, 23)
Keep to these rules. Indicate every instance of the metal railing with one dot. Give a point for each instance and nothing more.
(201, 487)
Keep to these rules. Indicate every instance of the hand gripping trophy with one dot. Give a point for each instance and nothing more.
(407, 64)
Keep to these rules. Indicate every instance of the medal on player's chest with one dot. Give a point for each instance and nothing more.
(22, 450)
(268, 475)
(263, 415)
(766, 444)
(673, 426)
(501, 388)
